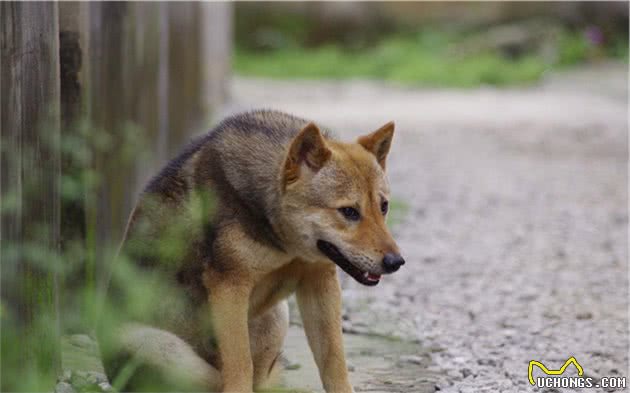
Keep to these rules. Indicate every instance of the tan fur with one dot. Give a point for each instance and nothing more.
(251, 200)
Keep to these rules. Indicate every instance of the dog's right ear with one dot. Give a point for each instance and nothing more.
(308, 149)
(378, 142)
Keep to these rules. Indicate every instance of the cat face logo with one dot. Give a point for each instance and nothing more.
(560, 371)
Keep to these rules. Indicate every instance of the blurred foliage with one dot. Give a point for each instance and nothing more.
(431, 57)
(81, 306)
(286, 31)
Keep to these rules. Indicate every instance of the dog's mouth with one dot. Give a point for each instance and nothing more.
(332, 252)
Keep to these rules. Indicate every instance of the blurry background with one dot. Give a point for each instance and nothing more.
(451, 44)
(509, 170)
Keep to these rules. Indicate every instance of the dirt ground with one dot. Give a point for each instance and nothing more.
(511, 210)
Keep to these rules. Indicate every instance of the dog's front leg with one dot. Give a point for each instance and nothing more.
(229, 303)
(319, 299)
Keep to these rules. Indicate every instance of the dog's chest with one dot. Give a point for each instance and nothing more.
(275, 287)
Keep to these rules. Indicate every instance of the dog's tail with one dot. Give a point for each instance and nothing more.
(144, 358)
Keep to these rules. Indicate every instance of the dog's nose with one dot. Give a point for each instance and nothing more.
(392, 262)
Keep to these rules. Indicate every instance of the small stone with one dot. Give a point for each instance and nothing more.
(411, 359)
(429, 260)
(466, 372)
(435, 349)
(64, 387)
(79, 374)
(66, 376)
(81, 341)
(84, 381)
(351, 367)
(454, 376)
(584, 315)
(93, 377)
(487, 362)
(105, 387)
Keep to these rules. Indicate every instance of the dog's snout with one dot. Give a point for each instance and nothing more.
(392, 262)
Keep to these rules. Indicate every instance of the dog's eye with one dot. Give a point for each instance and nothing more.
(384, 207)
(350, 213)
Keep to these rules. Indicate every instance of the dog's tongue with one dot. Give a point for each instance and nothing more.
(373, 277)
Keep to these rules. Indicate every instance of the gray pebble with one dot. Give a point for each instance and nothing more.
(64, 387)
(411, 359)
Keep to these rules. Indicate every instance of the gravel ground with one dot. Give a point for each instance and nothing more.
(514, 226)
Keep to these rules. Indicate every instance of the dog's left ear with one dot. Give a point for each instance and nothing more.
(379, 142)
(308, 149)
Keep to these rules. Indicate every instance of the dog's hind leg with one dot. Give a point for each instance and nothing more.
(150, 359)
(266, 335)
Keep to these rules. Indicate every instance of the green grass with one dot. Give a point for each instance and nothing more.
(426, 59)
(403, 60)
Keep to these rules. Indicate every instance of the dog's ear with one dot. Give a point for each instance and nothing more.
(379, 142)
(308, 148)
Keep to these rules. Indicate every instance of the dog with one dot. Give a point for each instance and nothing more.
(263, 206)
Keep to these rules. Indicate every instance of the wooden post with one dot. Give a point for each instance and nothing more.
(216, 51)
(185, 85)
(30, 169)
(79, 267)
(111, 86)
(150, 96)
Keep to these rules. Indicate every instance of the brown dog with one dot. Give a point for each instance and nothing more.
(262, 206)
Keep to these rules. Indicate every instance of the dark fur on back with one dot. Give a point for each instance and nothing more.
(271, 128)
(166, 178)
(238, 161)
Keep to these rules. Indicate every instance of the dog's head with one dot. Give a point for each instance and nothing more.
(335, 199)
